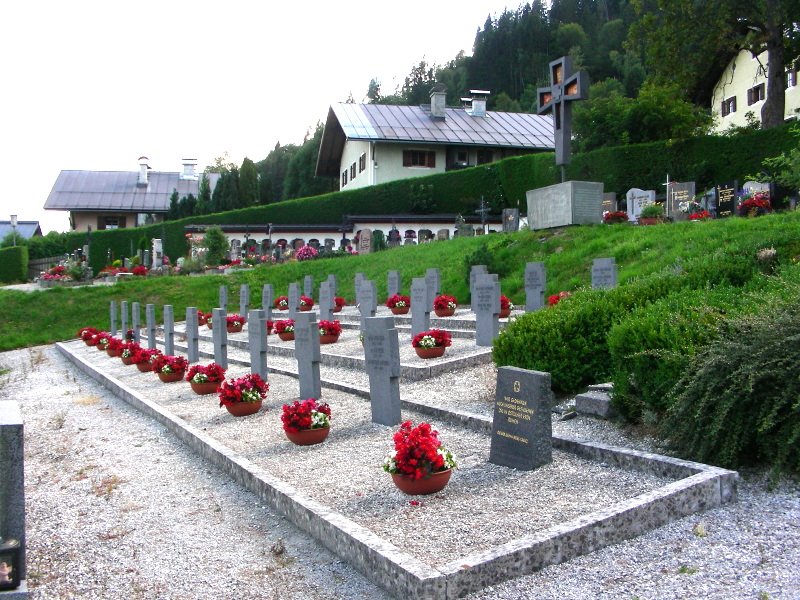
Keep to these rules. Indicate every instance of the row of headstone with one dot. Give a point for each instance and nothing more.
(366, 299)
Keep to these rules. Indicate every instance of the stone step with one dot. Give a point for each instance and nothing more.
(596, 404)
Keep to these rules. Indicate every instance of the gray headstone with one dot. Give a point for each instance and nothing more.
(487, 309)
(392, 283)
(726, 199)
(169, 330)
(306, 351)
(609, 201)
(267, 298)
(113, 316)
(522, 433)
(135, 321)
(333, 283)
(510, 220)
(308, 286)
(257, 341)
(192, 335)
(223, 297)
(367, 300)
(123, 306)
(755, 186)
(359, 277)
(150, 316)
(604, 273)
(636, 200)
(382, 357)
(220, 335)
(474, 271)
(433, 280)
(294, 300)
(147, 262)
(158, 253)
(535, 283)
(326, 303)
(420, 307)
(126, 263)
(244, 299)
(12, 485)
(443, 235)
(365, 241)
(679, 199)
(568, 203)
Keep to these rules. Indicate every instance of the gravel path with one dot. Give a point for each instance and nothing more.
(119, 509)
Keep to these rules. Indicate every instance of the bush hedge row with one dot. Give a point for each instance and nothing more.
(14, 264)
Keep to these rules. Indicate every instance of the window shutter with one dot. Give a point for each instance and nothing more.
(432, 159)
(406, 158)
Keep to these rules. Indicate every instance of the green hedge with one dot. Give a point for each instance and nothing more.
(14, 264)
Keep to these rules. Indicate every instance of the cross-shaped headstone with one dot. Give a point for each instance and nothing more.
(150, 316)
(135, 319)
(192, 335)
(535, 283)
(433, 280)
(244, 299)
(325, 301)
(333, 283)
(220, 335)
(257, 341)
(169, 330)
(223, 297)
(124, 317)
(382, 358)
(420, 307)
(392, 283)
(308, 286)
(565, 87)
(474, 271)
(487, 309)
(113, 315)
(367, 300)
(294, 300)
(267, 298)
(306, 351)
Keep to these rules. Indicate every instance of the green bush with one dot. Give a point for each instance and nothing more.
(740, 405)
(216, 245)
(14, 264)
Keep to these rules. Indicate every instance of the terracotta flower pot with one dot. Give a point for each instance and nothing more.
(171, 377)
(242, 409)
(649, 220)
(126, 360)
(435, 482)
(328, 339)
(101, 347)
(434, 352)
(286, 336)
(400, 310)
(209, 387)
(113, 353)
(234, 328)
(144, 367)
(88, 342)
(505, 313)
(307, 437)
(444, 312)
(304, 308)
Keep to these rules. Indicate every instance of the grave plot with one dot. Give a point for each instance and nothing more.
(491, 523)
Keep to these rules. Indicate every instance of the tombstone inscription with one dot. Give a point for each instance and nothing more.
(382, 362)
(562, 204)
(726, 199)
(487, 309)
(367, 300)
(535, 283)
(679, 199)
(420, 307)
(636, 200)
(604, 273)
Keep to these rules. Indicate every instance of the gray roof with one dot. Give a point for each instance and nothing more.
(118, 191)
(25, 229)
(390, 123)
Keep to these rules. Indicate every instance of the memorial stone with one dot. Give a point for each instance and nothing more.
(294, 300)
(365, 241)
(135, 320)
(487, 309)
(604, 273)
(123, 306)
(568, 203)
(535, 284)
(367, 300)
(726, 199)
(392, 283)
(150, 316)
(752, 187)
(127, 263)
(433, 280)
(267, 298)
(382, 362)
(636, 200)
(113, 317)
(257, 342)
(394, 238)
(474, 271)
(679, 200)
(158, 253)
(609, 202)
(169, 330)
(308, 286)
(147, 262)
(510, 220)
(420, 307)
(522, 433)
(223, 297)
(220, 336)
(192, 335)
(333, 283)
(359, 277)
(244, 299)
(443, 235)
(12, 486)
(307, 353)
(325, 303)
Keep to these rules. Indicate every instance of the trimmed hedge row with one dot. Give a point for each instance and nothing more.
(14, 264)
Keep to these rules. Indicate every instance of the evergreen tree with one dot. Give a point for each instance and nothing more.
(300, 180)
(204, 196)
(248, 184)
(272, 173)
(173, 211)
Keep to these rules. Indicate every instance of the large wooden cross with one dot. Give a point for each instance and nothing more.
(565, 87)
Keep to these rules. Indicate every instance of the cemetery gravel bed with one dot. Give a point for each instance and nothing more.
(207, 538)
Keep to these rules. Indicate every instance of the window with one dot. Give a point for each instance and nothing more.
(115, 222)
(419, 158)
(462, 158)
(791, 78)
(755, 94)
(362, 162)
(728, 106)
(344, 178)
(485, 156)
(352, 171)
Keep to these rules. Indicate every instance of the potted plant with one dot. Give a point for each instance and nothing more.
(399, 305)
(114, 346)
(285, 329)
(270, 325)
(307, 422)
(444, 305)
(506, 306)
(306, 303)
(205, 379)
(556, 298)
(127, 352)
(431, 343)
(244, 395)
(339, 303)
(202, 318)
(86, 334)
(652, 214)
(143, 358)
(610, 217)
(755, 204)
(102, 340)
(235, 323)
(329, 331)
(169, 368)
(281, 303)
(700, 215)
(209, 321)
(420, 464)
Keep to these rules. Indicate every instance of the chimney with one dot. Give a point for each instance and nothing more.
(143, 167)
(189, 165)
(478, 102)
(438, 101)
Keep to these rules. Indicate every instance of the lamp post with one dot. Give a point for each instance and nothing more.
(14, 228)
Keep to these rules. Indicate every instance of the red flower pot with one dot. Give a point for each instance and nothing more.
(286, 336)
(337, 308)
(144, 367)
(400, 310)
(126, 360)
(171, 377)
(234, 328)
(435, 482)
(304, 308)
(505, 313)
(112, 352)
(444, 312)
(209, 387)
(434, 352)
(307, 437)
(242, 409)
(329, 339)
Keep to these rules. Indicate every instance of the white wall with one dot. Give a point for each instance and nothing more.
(389, 162)
(351, 154)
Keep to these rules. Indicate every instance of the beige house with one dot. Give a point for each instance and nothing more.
(368, 144)
(742, 89)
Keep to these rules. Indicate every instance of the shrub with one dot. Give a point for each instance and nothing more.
(14, 264)
(740, 405)
(216, 246)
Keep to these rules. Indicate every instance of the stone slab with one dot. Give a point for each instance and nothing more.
(595, 404)
(562, 204)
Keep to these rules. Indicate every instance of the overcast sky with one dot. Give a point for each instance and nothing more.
(95, 84)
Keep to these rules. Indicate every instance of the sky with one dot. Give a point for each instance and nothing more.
(94, 85)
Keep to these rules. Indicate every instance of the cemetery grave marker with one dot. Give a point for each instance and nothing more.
(124, 317)
(382, 362)
(604, 273)
(308, 286)
(294, 300)
(307, 353)
(433, 280)
(510, 220)
(367, 299)
(535, 283)
(147, 262)
(257, 342)
(220, 336)
(636, 201)
(326, 303)
(12, 490)
(192, 335)
(726, 199)
(609, 201)
(244, 299)
(150, 316)
(169, 330)
(392, 283)
(420, 307)
(568, 203)
(113, 316)
(487, 309)
(267, 298)
(223, 297)
(522, 432)
(359, 277)
(679, 199)
(333, 283)
(474, 271)
(365, 241)
(137, 336)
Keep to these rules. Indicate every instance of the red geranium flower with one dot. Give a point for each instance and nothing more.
(307, 414)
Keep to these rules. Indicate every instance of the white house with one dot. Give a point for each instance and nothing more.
(368, 144)
(742, 89)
